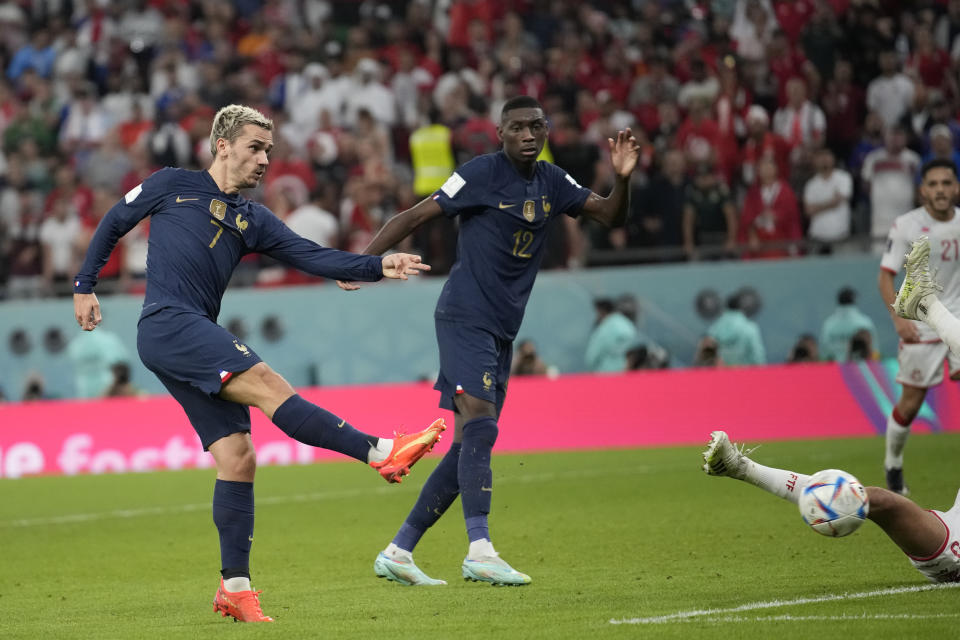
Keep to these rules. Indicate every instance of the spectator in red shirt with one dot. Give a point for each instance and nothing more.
(930, 63)
(843, 104)
(67, 186)
(699, 136)
(786, 62)
(762, 143)
(770, 221)
(793, 16)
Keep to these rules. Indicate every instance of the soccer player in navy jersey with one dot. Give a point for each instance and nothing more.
(505, 201)
(200, 229)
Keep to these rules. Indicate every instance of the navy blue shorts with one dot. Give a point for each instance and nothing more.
(193, 357)
(473, 361)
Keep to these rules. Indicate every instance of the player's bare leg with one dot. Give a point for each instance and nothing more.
(915, 530)
(261, 387)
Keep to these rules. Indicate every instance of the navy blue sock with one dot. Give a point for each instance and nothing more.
(233, 515)
(307, 423)
(475, 476)
(438, 493)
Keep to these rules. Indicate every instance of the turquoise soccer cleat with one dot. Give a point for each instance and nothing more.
(494, 570)
(402, 572)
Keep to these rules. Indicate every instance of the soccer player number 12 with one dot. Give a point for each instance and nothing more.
(521, 242)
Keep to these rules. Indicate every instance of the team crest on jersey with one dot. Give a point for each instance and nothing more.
(529, 210)
(218, 209)
(241, 223)
(242, 348)
(546, 205)
(488, 379)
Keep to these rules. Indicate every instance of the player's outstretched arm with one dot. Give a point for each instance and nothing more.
(400, 265)
(396, 229)
(612, 210)
(86, 309)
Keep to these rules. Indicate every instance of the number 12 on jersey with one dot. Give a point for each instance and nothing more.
(521, 242)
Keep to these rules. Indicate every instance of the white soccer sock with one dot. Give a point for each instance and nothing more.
(380, 452)
(780, 482)
(942, 321)
(396, 553)
(481, 548)
(237, 584)
(896, 440)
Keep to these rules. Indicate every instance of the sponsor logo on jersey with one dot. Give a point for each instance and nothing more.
(506, 205)
(487, 381)
(218, 209)
(529, 210)
(182, 199)
(241, 223)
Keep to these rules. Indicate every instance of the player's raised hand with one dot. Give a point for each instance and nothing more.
(86, 309)
(624, 152)
(401, 265)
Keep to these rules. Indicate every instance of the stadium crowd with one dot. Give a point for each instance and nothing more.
(769, 128)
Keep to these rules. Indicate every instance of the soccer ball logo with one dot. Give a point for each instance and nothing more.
(834, 503)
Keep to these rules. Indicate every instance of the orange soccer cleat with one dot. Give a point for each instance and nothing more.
(407, 449)
(242, 606)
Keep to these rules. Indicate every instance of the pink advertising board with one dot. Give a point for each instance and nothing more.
(671, 407)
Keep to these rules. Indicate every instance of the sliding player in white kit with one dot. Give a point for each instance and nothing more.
(922, 352)
(929, 538)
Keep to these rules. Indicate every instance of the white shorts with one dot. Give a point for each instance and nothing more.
(921, 363)
(944, 566)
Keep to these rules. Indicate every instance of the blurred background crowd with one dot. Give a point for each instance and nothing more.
(769, 128)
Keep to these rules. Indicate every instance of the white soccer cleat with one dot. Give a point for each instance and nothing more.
(918, 282)
(724, 458)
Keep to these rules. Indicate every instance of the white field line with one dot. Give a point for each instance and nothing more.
(837, 618)
(320, 496)
(683, 616)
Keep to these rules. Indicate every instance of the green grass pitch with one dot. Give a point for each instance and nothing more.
(625, 535)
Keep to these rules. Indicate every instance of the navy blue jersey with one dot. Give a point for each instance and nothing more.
(198, 234)
(503, 219)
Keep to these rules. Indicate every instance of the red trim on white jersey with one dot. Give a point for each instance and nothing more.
(946, 539)
(888, 270)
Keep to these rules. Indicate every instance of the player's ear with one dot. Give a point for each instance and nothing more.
(500, 132)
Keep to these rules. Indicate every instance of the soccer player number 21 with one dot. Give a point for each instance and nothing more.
(521, 242)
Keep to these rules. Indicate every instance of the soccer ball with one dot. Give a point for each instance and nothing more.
(834, 503)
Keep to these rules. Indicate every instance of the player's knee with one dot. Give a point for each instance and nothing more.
(472, 408)
(241, 466)
(482, 432)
